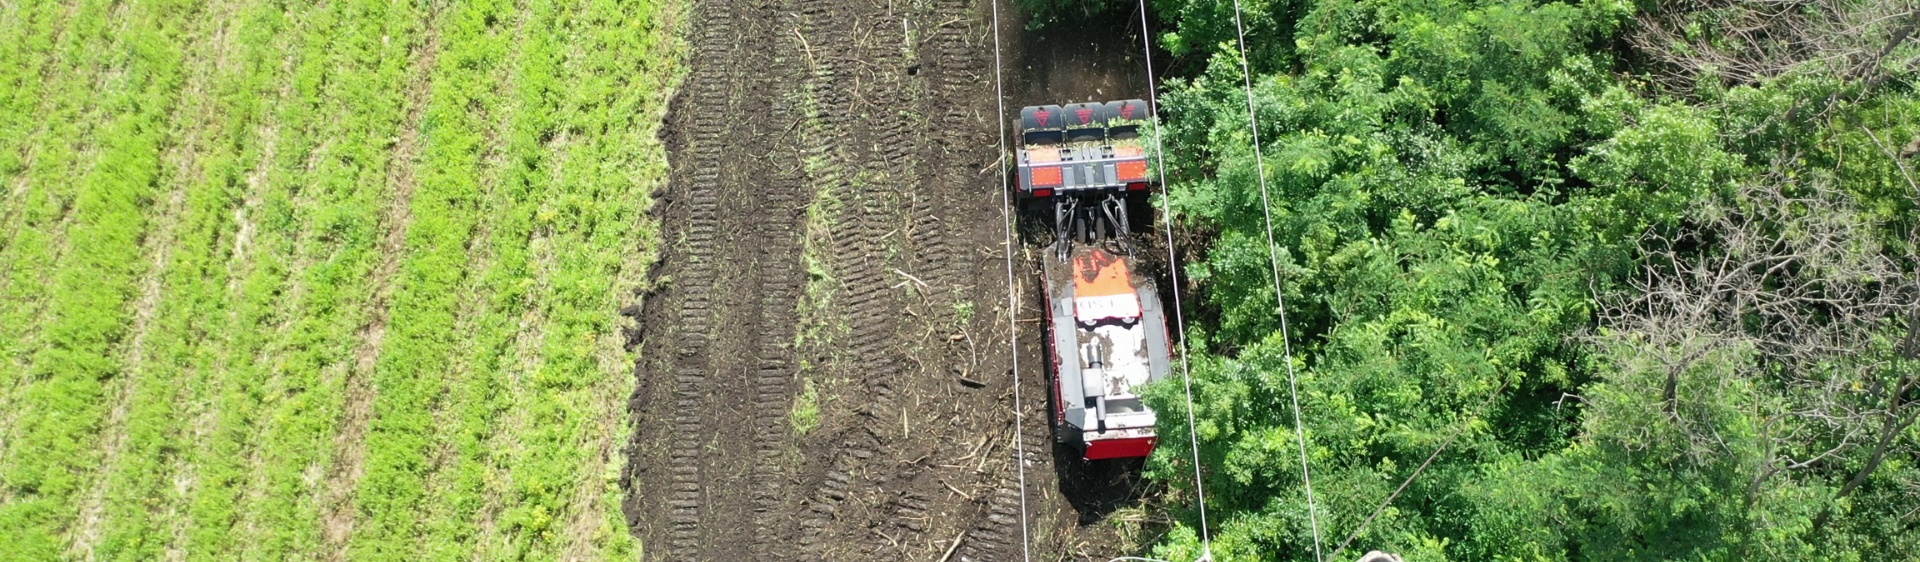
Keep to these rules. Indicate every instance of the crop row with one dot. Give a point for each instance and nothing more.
(132, 500)
(527, 217)
(286, 391)
(72, 283)
(198, 216)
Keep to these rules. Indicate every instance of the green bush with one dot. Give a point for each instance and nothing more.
(1458, 193)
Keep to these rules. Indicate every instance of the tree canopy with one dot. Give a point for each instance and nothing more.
(1648, 268)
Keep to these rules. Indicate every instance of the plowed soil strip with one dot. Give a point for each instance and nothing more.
(912, 447)
(735, 282)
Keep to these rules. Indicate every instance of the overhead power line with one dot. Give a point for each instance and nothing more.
(1279, 296)
(1013, 295)
(1173, 269)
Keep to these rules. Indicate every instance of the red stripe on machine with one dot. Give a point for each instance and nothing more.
(1120, 448)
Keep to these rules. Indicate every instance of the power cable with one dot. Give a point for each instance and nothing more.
(1287, 343)
(1013, 303)
(1173, 269)
(1279, 297)
(1280, 300)
(1416, 472)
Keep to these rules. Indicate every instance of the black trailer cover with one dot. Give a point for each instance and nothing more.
(1125, 117)
(1042, 118)
(1086, 121)
(1042, 124)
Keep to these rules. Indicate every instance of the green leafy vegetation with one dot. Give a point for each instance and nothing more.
(93, 266)
(228, 226)
(806, 408)
(1676, 264)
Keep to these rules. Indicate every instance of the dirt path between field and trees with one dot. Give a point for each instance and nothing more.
(824, 367)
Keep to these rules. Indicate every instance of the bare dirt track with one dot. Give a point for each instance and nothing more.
(834, 246)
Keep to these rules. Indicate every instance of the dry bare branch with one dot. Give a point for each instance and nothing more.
(1758, 41)
(1791, 280)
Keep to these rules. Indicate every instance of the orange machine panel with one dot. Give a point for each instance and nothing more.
(1047, 176)
(1099, 274)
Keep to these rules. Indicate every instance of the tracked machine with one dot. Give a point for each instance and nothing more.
(1083, 168)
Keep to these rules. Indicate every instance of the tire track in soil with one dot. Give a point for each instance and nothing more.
(688, 366)
(996, 534)
(908, 503)
(754, 332)
(774, 382)
(868, 485)
(905, 503)
(824, 26)
(731, 289)
(961, 189)
(895, 134)
(337, 495)
(958, 87)
(780, 278)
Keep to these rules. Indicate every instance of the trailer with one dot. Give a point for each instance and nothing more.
(1083, 148)
(1085, 158)
(1084, 167)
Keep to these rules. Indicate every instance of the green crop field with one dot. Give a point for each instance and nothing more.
(290, 280)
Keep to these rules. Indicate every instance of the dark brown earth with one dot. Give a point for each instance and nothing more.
(834, 221)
